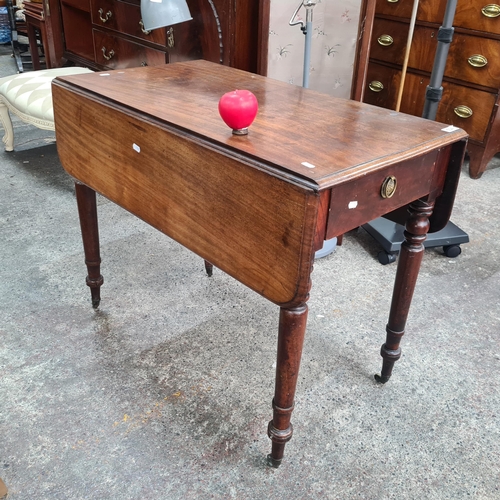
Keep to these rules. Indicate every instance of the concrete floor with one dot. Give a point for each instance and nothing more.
(165, 391)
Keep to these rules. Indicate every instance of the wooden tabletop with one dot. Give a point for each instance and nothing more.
(341, 138)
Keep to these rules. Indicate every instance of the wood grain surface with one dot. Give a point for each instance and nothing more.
(219, 207)
(340, 138)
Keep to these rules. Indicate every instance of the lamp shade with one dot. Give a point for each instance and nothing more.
(160, 13)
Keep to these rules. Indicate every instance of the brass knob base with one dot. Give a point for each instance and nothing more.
(240, 131)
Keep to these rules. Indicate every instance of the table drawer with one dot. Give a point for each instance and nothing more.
(382, 90)
(359, 201)
(124, 18)
(472, 14)
(115, 52)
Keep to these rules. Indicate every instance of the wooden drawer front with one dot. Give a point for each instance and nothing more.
(83, 5)
(360, 201)
(389, 40)
(481, 103)
(469, 13)
(382, 84)
(474, 59)
(124, 54)
(124, 18)
(78, 29)
(398, 8)
(483, 53)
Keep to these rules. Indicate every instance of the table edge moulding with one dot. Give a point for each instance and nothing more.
(256, 206)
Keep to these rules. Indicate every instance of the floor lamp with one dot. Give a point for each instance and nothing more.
(389, 234)
(307, 29)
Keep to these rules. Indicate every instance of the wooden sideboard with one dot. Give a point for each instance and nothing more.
(472, 76)
(107, 34)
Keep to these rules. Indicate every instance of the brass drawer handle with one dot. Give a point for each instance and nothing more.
(146, 32)
(170, 38)
(107, 17)
(376, 86)
(393, 1)
(491, 10)
(463, 111)
(385, 40)
(478, 61)
(388, 187)
(107, 56)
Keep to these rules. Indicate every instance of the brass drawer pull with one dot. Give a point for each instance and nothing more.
(388, 187)
(477, 60)
(463, 111)
(146, 32)
(491, 10)
(376, 86)
(107, 56)
(170, 38)
(385, 40)
(393, 1)
(107, 17)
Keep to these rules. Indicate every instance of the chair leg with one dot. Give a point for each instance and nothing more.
(8, 138)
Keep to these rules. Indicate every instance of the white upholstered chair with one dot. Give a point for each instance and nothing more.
(29, 96)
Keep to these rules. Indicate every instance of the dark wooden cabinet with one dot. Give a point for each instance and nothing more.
(109, 34)
(472, 76)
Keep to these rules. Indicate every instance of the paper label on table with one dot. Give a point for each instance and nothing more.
(103, 74)
(308, 165)
(451, 128)
(136, 147)
(352, 204)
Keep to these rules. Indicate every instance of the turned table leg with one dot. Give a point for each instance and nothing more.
(410, 258)
(87, 210)
(292, 327)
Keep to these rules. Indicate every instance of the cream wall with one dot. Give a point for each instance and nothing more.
(333, 46)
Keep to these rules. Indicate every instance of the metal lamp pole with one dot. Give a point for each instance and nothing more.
(307, 30)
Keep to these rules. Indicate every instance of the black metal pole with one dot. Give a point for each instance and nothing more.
(434, 90)
(433, 96)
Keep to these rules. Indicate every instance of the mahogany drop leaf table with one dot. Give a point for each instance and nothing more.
(256, 206)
